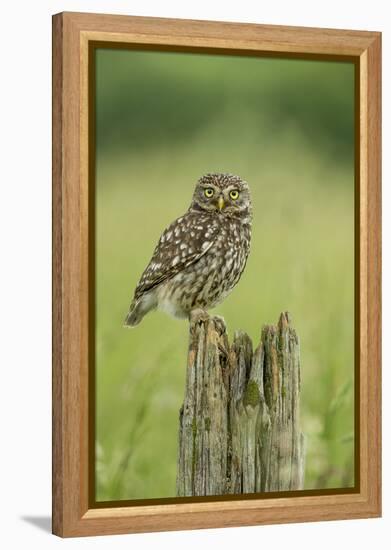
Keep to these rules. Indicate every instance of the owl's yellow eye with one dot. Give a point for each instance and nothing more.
(209, 192)
(234, 194)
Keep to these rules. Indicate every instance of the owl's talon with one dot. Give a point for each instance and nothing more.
(219, 322)
(198, 316)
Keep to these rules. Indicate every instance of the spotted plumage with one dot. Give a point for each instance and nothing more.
(200, 257)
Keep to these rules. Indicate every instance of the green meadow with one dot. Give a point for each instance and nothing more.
(286, 126)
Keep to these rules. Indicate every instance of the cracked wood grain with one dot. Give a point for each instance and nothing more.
(239, 429)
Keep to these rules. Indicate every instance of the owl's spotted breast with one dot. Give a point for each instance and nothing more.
(200, 257)
(208, 281)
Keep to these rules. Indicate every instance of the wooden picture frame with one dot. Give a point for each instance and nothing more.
(74, 35)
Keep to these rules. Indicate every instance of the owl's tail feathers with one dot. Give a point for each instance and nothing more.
(135, 314)
(139, 308)
(132, 318)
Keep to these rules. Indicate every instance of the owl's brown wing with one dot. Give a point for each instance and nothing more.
(183, 243)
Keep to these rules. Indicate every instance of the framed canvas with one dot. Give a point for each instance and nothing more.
(189, 158)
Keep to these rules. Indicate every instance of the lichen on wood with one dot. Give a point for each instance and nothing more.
(239, 429)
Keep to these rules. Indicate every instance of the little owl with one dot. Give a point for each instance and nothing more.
(200, 257)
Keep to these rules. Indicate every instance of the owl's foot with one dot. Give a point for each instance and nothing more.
(219, 323)
(201, 316)
(198, 316)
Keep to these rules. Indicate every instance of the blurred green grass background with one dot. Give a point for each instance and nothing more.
(287, 126)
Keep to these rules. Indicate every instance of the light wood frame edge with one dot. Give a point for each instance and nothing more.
(71, 514)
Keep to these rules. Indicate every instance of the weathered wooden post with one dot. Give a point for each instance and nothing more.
(239, 428)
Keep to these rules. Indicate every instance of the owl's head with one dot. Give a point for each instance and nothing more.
(224, 194)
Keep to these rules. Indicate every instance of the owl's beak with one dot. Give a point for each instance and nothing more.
(220, 203)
